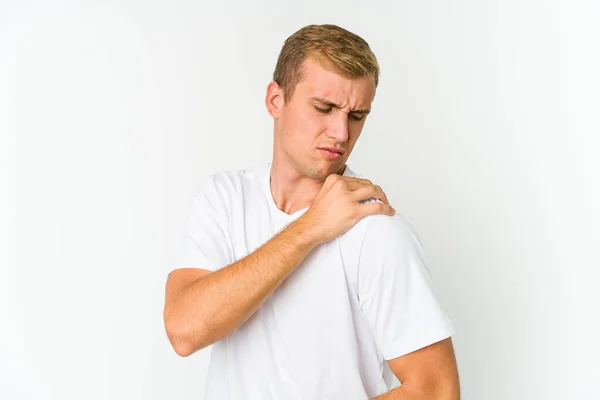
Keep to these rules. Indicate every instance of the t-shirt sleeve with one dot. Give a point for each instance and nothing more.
(206, 243)
(394, 289)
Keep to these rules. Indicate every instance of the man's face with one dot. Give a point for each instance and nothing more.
(326, 111)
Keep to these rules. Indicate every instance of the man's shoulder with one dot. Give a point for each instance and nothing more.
(382, 227)
(394, 230)
(385, 230)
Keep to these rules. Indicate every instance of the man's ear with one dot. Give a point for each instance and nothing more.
(274, 99)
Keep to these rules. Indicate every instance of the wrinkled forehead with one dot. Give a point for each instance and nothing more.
(323, 81)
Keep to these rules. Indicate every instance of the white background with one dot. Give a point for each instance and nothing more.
(484, 134)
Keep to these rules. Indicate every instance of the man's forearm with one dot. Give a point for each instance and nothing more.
(213, 306)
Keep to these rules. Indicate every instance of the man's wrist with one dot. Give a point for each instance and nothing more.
(307, 235)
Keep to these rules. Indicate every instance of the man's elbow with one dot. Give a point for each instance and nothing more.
(176, 338)
(181, 349)
(179, 337)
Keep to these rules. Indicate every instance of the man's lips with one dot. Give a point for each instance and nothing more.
(330, 152)
(332, 149)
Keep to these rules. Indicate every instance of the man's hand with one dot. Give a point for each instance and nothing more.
(340, 204)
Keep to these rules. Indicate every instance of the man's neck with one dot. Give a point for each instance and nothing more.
(295, 199)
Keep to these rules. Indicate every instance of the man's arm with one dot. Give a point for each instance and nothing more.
(201, 311)
(410, 327)
(203, 307)
(429, 373)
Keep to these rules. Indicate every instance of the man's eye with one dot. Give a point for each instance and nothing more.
(356, 117)
(323, 110)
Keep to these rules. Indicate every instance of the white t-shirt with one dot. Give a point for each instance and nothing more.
(326, 331)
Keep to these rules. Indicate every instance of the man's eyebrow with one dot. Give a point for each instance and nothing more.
(329, 103)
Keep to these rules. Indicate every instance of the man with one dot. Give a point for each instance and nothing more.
(299, 271)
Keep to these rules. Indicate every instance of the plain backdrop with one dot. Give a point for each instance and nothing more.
(484, 133)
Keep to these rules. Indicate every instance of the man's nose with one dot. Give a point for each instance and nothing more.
(338, 129)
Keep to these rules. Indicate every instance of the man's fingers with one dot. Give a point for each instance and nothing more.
(375, 207)
(366, 192)
(363, 189)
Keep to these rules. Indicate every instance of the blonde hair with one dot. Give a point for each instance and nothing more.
(333, 47)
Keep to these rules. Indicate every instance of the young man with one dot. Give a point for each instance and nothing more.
(300, 272)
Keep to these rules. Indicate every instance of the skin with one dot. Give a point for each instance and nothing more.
(325, 110)
(299, 169)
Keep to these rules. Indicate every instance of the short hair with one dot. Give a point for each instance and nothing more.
(333, 47)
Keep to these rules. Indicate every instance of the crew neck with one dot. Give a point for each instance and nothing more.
(266, 184)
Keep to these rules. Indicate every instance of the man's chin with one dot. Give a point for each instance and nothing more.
(337, 169)
(320, 170)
